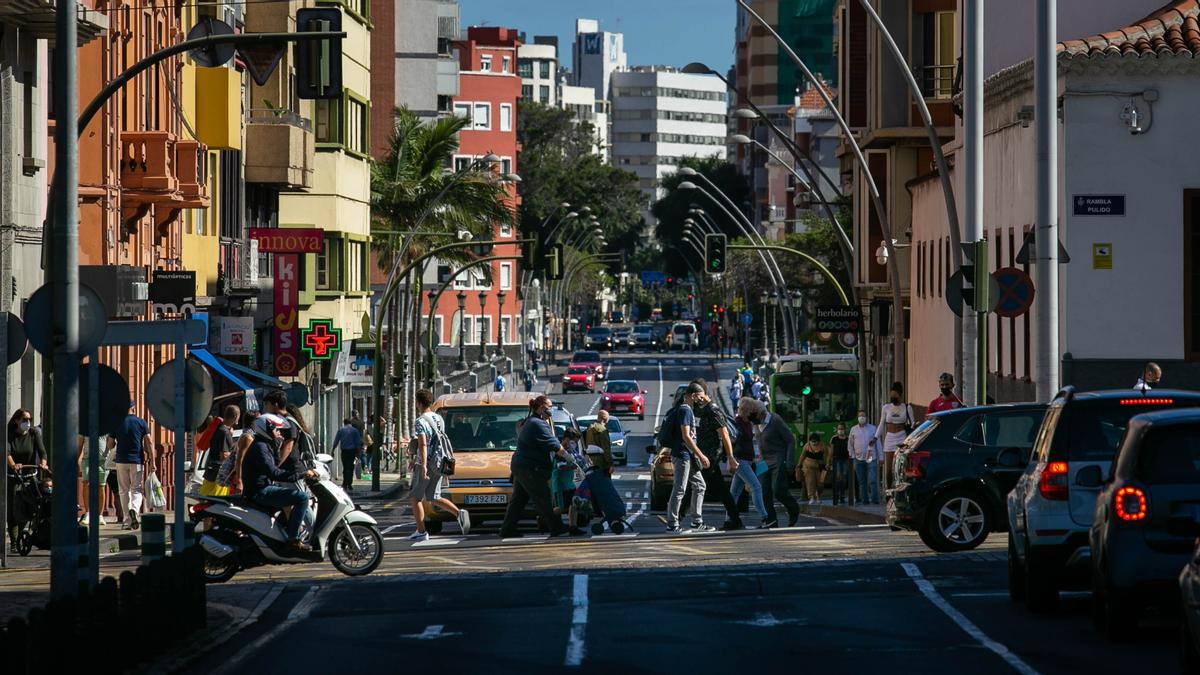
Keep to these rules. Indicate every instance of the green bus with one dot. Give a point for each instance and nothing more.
(832, 394)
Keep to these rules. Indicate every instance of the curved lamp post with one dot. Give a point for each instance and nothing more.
(482, 327)
(500, 296)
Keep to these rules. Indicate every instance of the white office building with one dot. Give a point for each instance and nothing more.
(660, 115)
(596, 55)
(537, 64)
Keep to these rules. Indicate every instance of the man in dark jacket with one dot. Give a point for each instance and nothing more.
(778, 446)
(259, 471)
(531, 467)
(712, 437)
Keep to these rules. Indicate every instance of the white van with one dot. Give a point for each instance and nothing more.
(684, 336)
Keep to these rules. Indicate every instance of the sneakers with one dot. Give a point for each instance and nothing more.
(793, 518)
(418, 536)
(703, 528)
(768, 524)
(674, 529)
(133, 521)
(464, 521)
(83, 520)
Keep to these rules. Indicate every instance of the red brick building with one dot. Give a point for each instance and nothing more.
(489, 88)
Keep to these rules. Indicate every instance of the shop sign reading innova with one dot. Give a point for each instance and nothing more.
(1099, 205)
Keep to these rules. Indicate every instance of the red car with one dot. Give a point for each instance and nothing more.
(579, 377)
(591, 360)
(624, 396)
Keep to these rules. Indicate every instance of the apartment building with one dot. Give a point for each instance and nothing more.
(596, 55)
(537, 64)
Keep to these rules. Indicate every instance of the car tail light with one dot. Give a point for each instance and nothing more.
(1053, 484)
(1130, 503)
(1147, 401)
(200, 507)
(915, 463)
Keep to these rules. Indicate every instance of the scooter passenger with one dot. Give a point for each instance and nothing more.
(259, 471)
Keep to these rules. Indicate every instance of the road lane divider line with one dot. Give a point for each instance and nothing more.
(658, 409)
(389, 528)
(643, 476)
(927, 589)
(299, 612)
(576, 642)
(447, 541)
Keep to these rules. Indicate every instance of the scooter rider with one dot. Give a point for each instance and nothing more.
(259, 470)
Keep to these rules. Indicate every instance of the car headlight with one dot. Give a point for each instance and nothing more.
(620, 443)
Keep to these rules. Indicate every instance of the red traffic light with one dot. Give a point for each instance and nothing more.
(720, 310)
(690, 296)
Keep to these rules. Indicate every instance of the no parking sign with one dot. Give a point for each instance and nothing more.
(1014, 292)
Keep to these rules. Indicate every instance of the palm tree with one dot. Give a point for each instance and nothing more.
(412, 189)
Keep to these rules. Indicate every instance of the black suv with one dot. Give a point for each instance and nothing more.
(954, 470)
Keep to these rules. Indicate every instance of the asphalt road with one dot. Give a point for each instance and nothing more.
(823, 597)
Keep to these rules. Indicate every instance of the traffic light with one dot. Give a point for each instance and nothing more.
(555, 262)
(714, 252)
(531, 257)
(975, 275)
(806, 377)
(319, 62)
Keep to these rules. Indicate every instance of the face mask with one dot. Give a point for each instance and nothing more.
(841, 433)
(946, 391)
(23, 426)
(862, 419)
(895, 400)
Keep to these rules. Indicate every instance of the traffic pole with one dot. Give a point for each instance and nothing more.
(974, 319)
(1045, 254)
(63, 277)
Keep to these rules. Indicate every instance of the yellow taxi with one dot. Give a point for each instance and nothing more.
(482, 427)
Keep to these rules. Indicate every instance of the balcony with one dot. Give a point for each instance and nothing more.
(938, 86)
(193, 181)
(162, 174)
(38, 17)
(148, 163)
(279, 149)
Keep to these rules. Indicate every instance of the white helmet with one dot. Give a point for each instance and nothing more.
(268, 426)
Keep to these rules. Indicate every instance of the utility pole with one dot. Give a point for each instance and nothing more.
(974, 319)
(64, 280)
(1045, 252)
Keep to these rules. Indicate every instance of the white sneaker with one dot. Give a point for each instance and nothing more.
(102, 520)
(464, 521)
(83, 520)
(418, 536)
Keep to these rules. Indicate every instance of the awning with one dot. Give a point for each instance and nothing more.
(261, 377)
(209, 359)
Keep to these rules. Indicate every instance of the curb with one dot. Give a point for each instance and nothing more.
(844, 514)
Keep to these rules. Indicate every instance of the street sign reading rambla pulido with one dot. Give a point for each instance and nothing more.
(288, 239)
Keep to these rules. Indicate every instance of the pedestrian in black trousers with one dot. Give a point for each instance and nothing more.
(777, 446)
(712, 437)
(531, 467)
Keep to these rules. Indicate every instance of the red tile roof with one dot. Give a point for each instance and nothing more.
(1172, 30)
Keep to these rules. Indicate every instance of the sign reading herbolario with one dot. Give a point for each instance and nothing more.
(839, 319)
(288, 239)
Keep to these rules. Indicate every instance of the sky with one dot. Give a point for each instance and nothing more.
(657, 32)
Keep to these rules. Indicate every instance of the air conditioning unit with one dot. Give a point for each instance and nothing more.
(140, 291)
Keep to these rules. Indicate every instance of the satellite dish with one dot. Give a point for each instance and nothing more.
(212, 56)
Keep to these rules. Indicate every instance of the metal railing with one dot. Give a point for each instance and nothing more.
(937, 82)
(280, 116)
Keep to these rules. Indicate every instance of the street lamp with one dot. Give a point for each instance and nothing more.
(500, 324)
(482, 327)
(432, 343)
(462, 327)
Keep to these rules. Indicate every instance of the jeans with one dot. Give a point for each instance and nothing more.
(775, 486)
(530, 483)
(130, 480)
(714, 482)
(841, 471)
(686, 474)
(745, 477)
(865, 473)
(277, 497)
(348, 457)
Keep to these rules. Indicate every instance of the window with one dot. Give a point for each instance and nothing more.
(506, 329)
(505, 117)
(544, 69)
(936, 38)
(483, 324)
(527, 91)
(357, 125)
(544, 94)
(327, 124)
(506, 230)
(461, 110)
(461, 164)
(483, 116)
(462, 281)
(329, 265)
(470, 331)
(439, 325)
(1015, 430)
(485, 62)
(1170, 456)
(505, 276)
(506, 166)
(356, 265)
(525, 68)
(343, 122)
(505, 64)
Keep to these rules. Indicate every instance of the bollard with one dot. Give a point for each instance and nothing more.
(154, 537)
(473, 382)
(81, 557)
(493, 371)
(189, 535)
(508, 365)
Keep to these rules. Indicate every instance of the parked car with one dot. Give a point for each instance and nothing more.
(591, 360)
(579, 377)
(1050, 509)
(954, 471)
(616, 436)
(684, 336)
(643, 337)
(562, 419)
(624, 396)
(1144, 526)
(599, 337)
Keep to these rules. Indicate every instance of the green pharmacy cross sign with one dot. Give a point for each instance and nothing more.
(320, 341)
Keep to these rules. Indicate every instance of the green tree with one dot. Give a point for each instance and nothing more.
(412, 180)
(557, 164)
(672, 209)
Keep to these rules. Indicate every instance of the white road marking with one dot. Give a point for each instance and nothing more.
(576, 642)
(390, 528)
(768, 620)
(615, 476)
(643, 476)
(931, 594)
(658, 410)
(873, 525)
(440, 541)
(305, 606)
(525, 539)
(592, 410)
(448, 561)
(431, 633)
(298, 613)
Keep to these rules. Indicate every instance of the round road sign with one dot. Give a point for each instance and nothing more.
(112, 401)
(39, 321)
(160, 395)
(1014, 292)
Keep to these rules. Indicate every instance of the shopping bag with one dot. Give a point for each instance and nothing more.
(154, 493)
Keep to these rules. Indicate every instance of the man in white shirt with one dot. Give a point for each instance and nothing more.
(867, 453)
(1151, 375)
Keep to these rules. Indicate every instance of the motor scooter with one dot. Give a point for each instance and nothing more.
(238, 534)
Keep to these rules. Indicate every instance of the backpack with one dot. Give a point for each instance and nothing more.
(668, 431)
(440, 450)
(306, 445)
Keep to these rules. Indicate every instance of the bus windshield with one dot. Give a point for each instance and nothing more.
(835, 397)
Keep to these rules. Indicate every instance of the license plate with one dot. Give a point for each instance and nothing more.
(485, 499)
